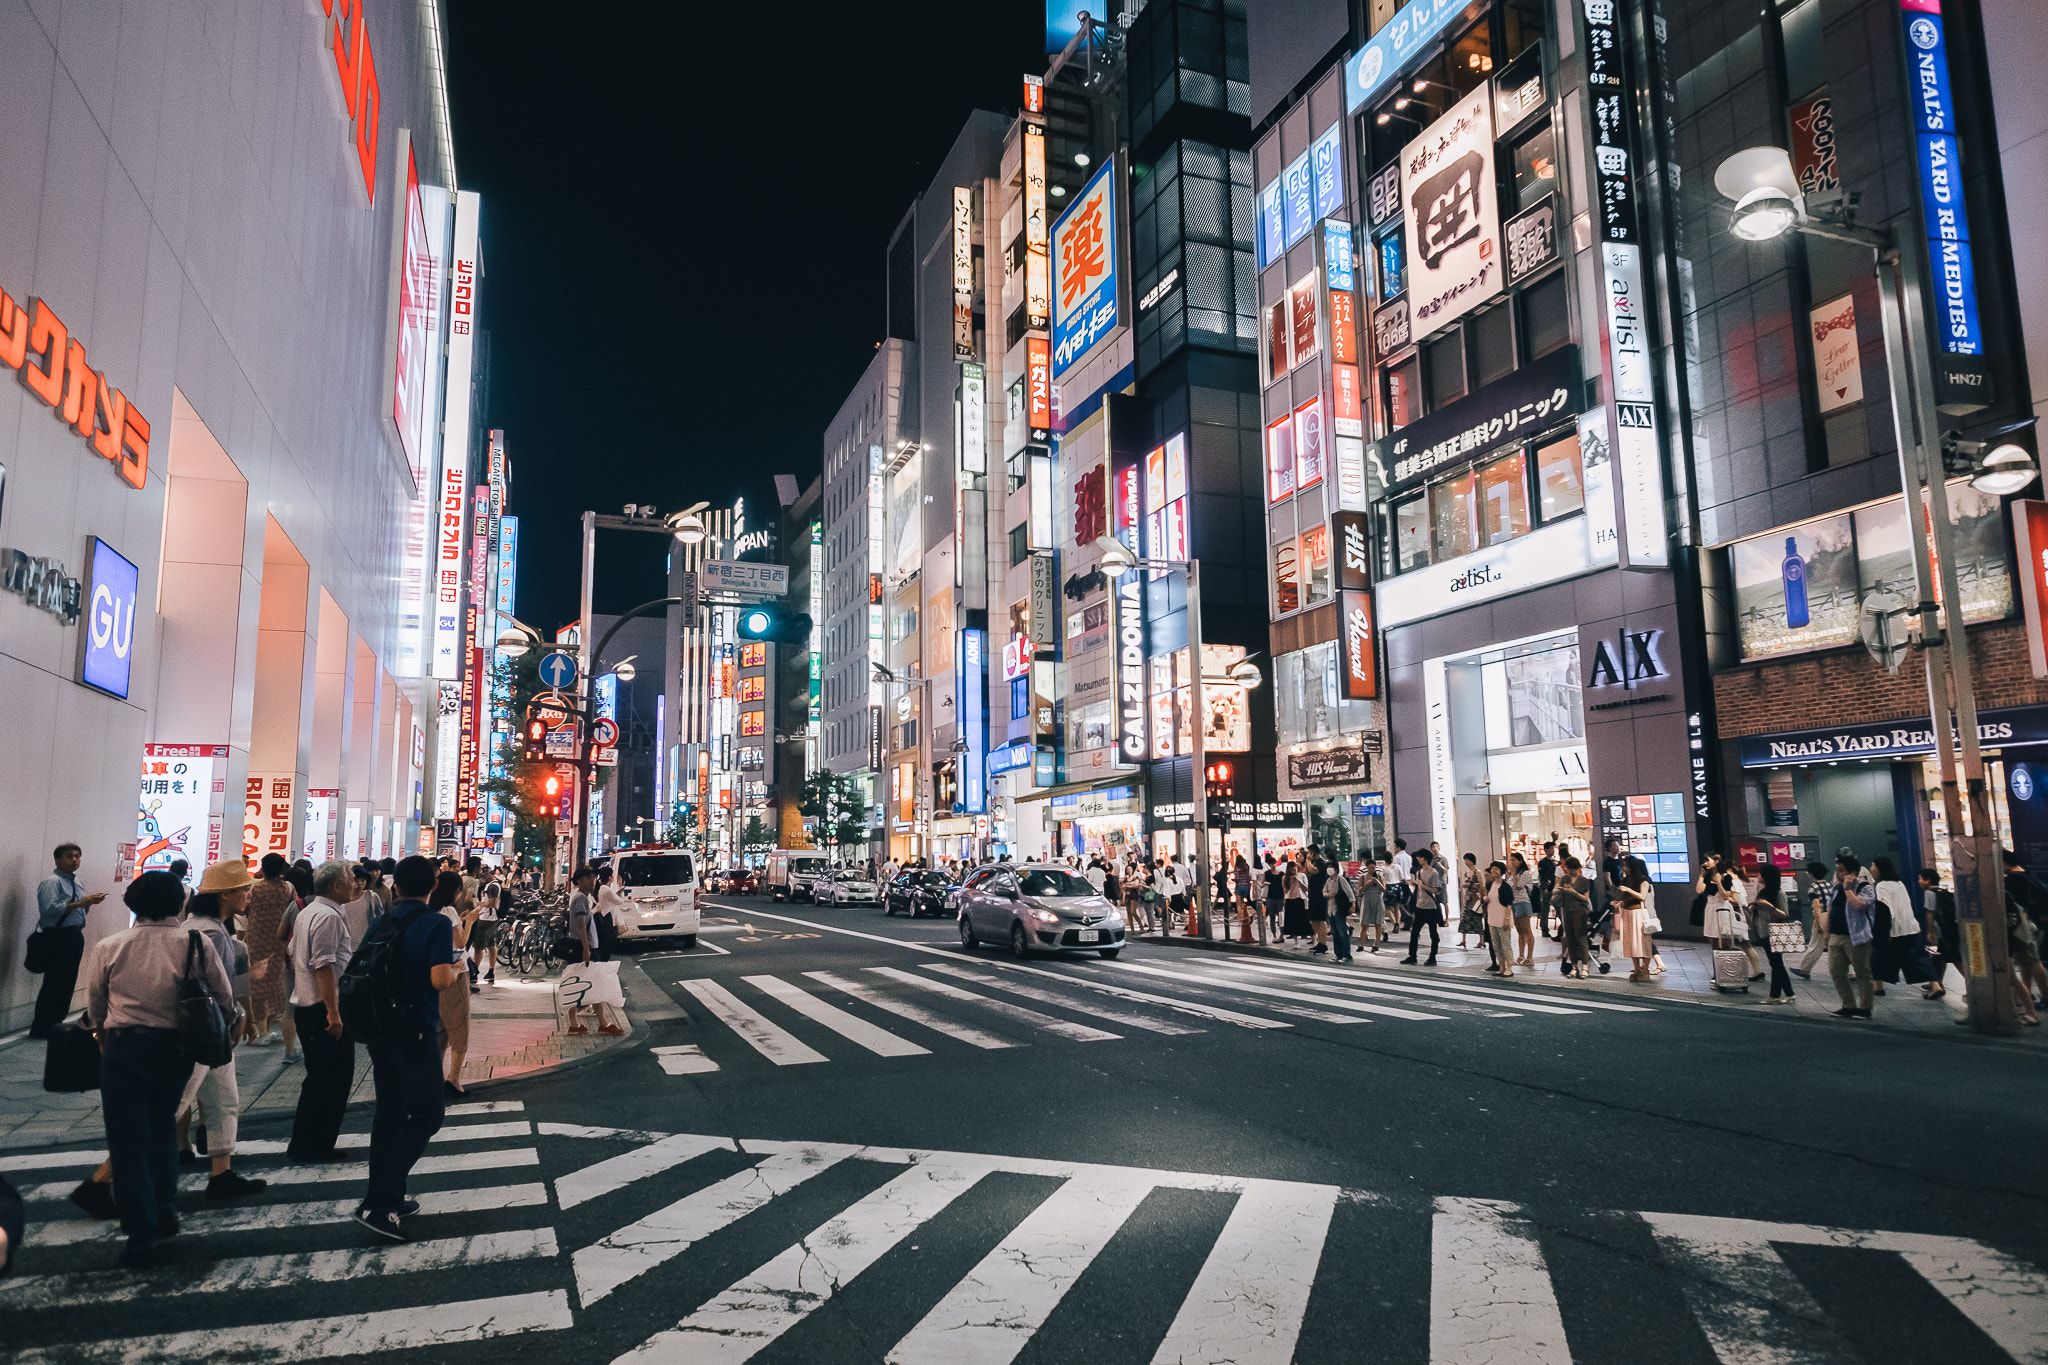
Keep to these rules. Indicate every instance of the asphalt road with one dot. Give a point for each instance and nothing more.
(862, 1144)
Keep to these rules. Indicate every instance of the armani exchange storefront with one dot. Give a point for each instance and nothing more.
(1876, 789)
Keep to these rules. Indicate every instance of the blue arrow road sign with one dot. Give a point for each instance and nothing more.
(558, 670)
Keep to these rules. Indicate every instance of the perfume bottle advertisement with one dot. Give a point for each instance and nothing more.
(1796, 589)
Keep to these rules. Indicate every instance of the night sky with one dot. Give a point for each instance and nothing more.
(684, 220)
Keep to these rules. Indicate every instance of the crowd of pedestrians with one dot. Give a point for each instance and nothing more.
(272, 950)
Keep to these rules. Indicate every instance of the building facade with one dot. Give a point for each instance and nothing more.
(225, 308)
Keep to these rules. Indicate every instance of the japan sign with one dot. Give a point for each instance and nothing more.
(1084, 253)
(1453, 218)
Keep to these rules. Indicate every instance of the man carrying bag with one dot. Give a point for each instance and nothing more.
(58, 944)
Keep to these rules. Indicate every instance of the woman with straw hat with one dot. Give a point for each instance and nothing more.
(213, 1090)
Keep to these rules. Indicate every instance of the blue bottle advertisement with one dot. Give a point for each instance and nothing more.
(1794, 572)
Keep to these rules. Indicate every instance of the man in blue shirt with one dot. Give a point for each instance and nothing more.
(60, 919)
(407, 1069)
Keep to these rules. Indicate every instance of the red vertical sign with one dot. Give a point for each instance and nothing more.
(2030, 537)
(1038, 384)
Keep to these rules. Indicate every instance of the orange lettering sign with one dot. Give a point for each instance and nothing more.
(356, 69)
(35, 341)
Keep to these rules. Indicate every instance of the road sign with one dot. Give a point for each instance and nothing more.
(558, 669)
(548, 713)
(562, 742)
(604, 731)
(745, 580)
(605, 755)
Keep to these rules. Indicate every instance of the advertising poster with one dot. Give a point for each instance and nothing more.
(1084, 266)
(1837, 365)
(178, 815)
(1280, 459)
(269, 802)
(1797, 590)
(1301, 313)
(1453, 216)
(1308, 444)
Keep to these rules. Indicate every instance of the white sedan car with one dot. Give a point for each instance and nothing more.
(845, 886)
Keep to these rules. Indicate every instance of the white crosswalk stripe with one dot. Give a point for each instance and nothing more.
(1045, 997)
(879, 1041)
(772, 1041)
(917, 1014)
(1493, 1297)
(1079, 1033)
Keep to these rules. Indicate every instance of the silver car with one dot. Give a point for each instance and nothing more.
(1033, 908)
(844, 887)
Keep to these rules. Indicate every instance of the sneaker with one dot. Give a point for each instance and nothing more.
(1803, 976)
(139, 1254)
(1408, 961)
(228, 1185)
(291, 1057)
(1862, 1014)
(96, 1199)
(1848, 1014)
(385, 1225)
(612, 1031)
(1431, 962)
(408, 1208)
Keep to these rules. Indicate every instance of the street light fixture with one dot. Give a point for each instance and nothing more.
(688, 525)
(1768, 203)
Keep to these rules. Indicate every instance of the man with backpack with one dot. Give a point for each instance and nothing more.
(391, 1002)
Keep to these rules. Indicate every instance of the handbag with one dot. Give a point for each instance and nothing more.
(1787, 937)
(72, 1061)
(203, 1033)
(1651, 924)
(1505, 892)
(36, 957)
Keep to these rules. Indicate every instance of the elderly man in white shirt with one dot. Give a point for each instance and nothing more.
(320, 949)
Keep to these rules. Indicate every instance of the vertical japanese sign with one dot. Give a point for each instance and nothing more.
(963, 273)
(413, 353)
(452, 494)
(1127, 621)
(817, 614)
(971, 682)
(507, 597)
(1326, 171)
(480, 585)
(1037, 258)
(1636, 451)
(270, 803)
(1962, 381)
(1452, 228)
(1084, 248)
(1038, 387)
(973, 419)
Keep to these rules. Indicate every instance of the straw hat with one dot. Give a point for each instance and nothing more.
(229, 874)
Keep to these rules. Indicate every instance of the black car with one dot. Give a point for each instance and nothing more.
(921, 891)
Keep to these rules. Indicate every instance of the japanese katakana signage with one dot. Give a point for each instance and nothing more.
(1453, 223)
(1084, 251)
(1524, 404)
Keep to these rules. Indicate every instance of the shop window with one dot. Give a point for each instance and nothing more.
(1469, 62)
(1504, 498)
(1534, 697)
(1315, 565)
(1521, 26)
(1089, 728)
(1546, 317)
(1020, 543)
(1560, 483)
(1535, 166)
(1411, 534)
(1443, 365)
(1404, 393)
(1286, 584)
(1493, 344)
(1456, 518)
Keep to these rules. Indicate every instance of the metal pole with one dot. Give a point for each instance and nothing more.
(1198, 784)
(1980, 898)
(583, 689)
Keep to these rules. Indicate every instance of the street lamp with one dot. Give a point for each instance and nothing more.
(688, 525)
(1768, 203)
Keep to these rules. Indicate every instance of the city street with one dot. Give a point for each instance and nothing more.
(861, 1143)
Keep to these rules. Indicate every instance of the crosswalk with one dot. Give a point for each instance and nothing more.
(628, 1235)
(920, 1010)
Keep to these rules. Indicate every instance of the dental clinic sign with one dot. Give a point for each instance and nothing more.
(1961, 378)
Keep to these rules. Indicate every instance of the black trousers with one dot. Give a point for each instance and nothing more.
(410, 1108)
(65, 949)
(1423, 919)
(141, 1079)
(323, 1095)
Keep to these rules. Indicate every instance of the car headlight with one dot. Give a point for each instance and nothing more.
(1043, 916)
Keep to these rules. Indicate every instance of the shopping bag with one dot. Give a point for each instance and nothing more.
(1787, 937)
(72, 1062)
(587, 984)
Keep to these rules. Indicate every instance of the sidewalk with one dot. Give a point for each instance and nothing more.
(513, 1031)
(1688, 977)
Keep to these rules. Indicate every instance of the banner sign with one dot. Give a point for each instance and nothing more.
(1084, 247)
(1453, 225)
(1966, 385)
(1521, 404)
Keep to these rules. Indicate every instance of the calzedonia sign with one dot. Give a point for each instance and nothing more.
(1891, 739)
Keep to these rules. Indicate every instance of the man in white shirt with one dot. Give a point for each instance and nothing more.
(1403, 864)
(320, 950)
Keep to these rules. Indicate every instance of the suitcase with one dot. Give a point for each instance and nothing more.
(1731, 970)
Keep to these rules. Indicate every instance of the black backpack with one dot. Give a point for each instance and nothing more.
(376, 1003)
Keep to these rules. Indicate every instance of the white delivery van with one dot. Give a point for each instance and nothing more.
(791, 872)
(661, 884)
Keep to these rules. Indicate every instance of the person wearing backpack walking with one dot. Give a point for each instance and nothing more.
(318, 953)
(391, 1002)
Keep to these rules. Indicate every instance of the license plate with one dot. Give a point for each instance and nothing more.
(1087, 935)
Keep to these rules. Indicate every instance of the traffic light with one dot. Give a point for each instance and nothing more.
(551, 797)
(773, 623)
(535, 738)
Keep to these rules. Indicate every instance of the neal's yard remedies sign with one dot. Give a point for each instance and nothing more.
(1962, 381)
(1453, 217)
(1892, 739)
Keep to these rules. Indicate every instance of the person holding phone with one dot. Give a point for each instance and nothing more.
(60, 936)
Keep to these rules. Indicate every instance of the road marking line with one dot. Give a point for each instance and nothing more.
(55, 1161)
(1248, 1300)
(1507, 997)
(1749, 1305)
(736, 1324)
(857, 933)
(461, 1132)
(398, 1329)
(1359, 1006)
(1490, 1297)
(616, 1172)
(877, 1040)
(1194, 1007)
(772, 1041)
(273, 1271)
(486, 1107)
(993, 1312)
(259, 1217)
(2002, 1296)
(1048, 998)
(686, 1059)
(578, 1130)
(1362, 990)
(328, 1173)
(1304, 1012)
(1079, 1033)
(639, 1247)
(917, 1014)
